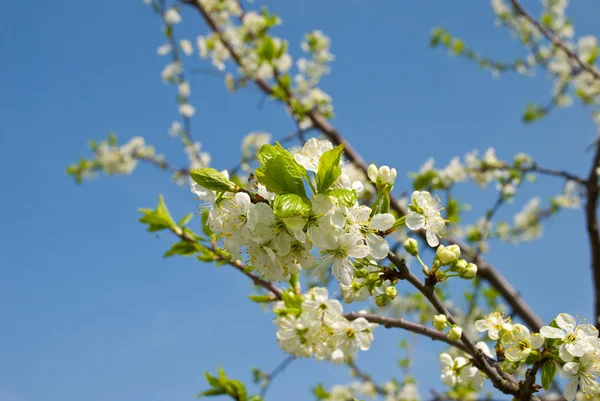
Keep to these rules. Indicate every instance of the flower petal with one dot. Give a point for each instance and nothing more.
(383, 221)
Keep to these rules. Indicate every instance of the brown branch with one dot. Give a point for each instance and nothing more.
(501, 380)
(273, 375)
(389, 322)
(591, 217)
(534, 168)
(555, 40)
(486, 271)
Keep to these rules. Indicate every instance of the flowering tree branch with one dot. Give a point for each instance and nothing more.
(486, 271)
(555, 40)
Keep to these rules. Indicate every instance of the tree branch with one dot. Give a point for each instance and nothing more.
(416, 328)
(486, 271)
(555, 40)
(591, 217)
(501, 380)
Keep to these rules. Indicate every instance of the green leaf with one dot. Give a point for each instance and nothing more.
(424, 181)
(548, 373)
(267, 49)
(185, 219)
(533, 357)
(348, 197)
(213, 381)
(290, 205)
(261, 299)
(329, 168)
(158, 219)
(205, 228)
(211, 179)
(532, 113)
(320, 392)
(211, 392)
(279, 172)
(186, 248)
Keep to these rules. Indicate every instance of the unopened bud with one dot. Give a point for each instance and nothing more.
(391, 292)
(440, 322)
(459, 265)
(387, 175)
(446, 255)
(468, 272)
(455, 333)
(373, 173)
(411, 246)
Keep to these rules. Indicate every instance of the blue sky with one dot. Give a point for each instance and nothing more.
(88, 307)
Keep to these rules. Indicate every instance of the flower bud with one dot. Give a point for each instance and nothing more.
(446, 255)
(459, 265)
(468, 272)
(440, 322)
(411, 246)
(387, 175)
(455, 333)
(454, 249)
(373, 173)
(391, 292)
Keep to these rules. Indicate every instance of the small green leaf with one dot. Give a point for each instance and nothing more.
(290, 205)
(212, 392)
(533, 357)
(261, 299)
(279, 172)
(211, 179)
(548, 373)
(185, 219)
(267, 49)
(158, 219)
(186, 248)
(329, 168)
(348, 197)
(320, 392)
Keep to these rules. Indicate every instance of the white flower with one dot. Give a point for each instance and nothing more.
(518, 343)
(570, 198)
(175, 128)
(318, 305)
(311, 152)
(451, 368)
(184, 89)
(575, 338)
(585, 374)
(164, 49)
(186, 47)
(493, 323)
(425, 213)
(345, 247)
(232, 221)
(187, 110)
(172, 16)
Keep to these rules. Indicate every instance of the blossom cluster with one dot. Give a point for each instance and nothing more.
(568, 346)
(277, 230)
(312, 325)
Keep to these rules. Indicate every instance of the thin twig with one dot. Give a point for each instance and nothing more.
(273, 375)
(555, 40)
